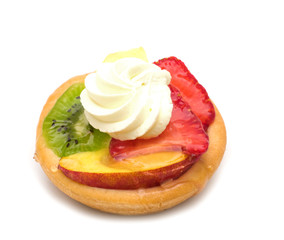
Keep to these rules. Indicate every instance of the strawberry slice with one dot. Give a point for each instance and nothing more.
(192, 92)
(184, 133)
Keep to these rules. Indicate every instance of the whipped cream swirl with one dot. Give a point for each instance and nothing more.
(128, 99)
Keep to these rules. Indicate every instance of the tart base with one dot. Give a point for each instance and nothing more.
(133, 202)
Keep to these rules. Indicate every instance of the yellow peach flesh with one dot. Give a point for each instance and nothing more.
(135, 52)
(101, 162)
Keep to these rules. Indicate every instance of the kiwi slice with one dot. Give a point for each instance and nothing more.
(66, 129)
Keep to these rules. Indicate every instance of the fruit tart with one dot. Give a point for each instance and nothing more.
(131, 138)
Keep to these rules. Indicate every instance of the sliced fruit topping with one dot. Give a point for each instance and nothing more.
(192, 92)
(66, 129)
(98, 169)
(184, 133)
(135, 52)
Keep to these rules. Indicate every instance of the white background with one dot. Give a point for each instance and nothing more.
(234, 48)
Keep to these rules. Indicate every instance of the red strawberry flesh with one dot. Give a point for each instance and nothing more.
(192, 92)
(184, 133)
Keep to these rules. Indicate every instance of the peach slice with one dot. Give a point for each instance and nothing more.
(99, 169)
(135, 52)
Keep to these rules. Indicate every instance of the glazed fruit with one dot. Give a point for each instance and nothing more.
(98, 169)
(192, 92)
(184, 133)
(91, 157)
(66, 129)
(136, 52)
(155, 163)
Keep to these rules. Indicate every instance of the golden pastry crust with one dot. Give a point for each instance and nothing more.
(133, 202)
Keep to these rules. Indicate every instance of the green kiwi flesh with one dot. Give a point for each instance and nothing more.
(67, 131)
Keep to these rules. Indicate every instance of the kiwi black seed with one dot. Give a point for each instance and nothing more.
(66, 129)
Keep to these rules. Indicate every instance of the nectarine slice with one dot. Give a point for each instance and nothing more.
(99, 169)
(135, 52)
